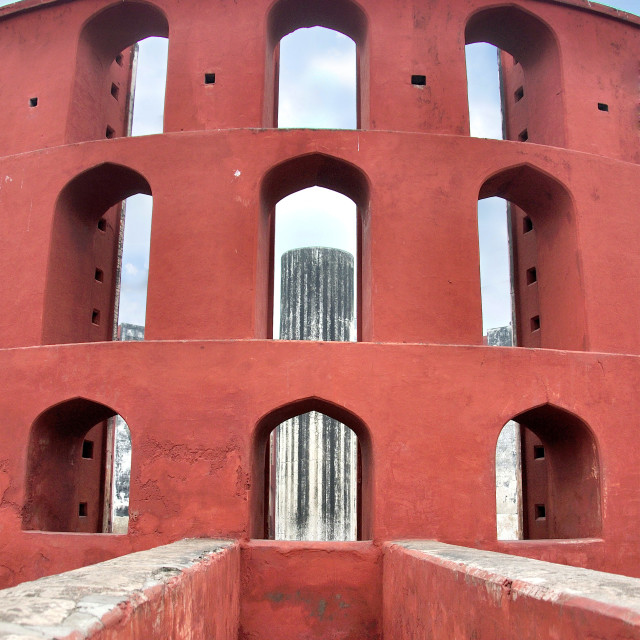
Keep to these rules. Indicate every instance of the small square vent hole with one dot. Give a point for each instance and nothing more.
(87, 449)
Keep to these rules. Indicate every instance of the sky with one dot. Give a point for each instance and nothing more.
(317, 90)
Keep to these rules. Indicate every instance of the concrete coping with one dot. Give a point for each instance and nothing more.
(607, 592)
(74, 603)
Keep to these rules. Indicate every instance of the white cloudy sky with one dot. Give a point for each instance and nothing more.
(317, 90)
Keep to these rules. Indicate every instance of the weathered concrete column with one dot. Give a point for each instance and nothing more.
(508, 462)
(316, 456)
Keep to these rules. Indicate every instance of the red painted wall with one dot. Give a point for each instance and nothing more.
(432, 598)
(429, 42)
(588, 303)
(202, 602)
(198, 393)
(194, 410)
(294, 590)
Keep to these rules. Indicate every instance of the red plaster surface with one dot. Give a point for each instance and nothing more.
(199, 396)
(588, 43)
(427, 598)
(199, 479)
(588, 307)
(298, 590)
(202, 602)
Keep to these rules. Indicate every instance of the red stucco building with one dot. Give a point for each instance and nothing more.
(426, 399)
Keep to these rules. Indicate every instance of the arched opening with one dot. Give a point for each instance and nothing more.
(134, 266)
(84, 255)
(509, 511)
(69, 466)
(338, 213)
(484, 90)
(495, 272)
(106, 63)
(558, 470)
(531, 88)
(149, 84)
(317, 80)
(312, 478)
(121, 482)
(342, 16)
(545, 259)
(315, 244)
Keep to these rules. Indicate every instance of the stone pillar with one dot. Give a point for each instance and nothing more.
(508, 462)
(122, 452)
(316, 456)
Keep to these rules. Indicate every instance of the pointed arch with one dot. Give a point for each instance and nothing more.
(293, 175)
(83, 254)
(560, 465)
(345, 16)
(69, 454)
(101, 104)
(534, 60)
(262, 431)
(549, 311)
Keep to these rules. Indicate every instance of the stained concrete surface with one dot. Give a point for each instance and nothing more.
(75, 602)
(536, 578)
(316, 456)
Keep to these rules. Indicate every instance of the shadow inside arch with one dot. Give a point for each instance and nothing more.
(315, 170)
(84, 241)
(68, 456)
(561, 495)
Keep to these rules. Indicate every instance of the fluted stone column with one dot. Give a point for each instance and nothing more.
(316, 456)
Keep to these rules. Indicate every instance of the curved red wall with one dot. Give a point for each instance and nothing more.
(432, 398)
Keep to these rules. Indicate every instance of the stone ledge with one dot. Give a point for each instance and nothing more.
(608, 593)
(79, 603)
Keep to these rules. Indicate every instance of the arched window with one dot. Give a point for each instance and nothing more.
(68, 484)
(495, 272)
(343, 200)
(105, 76)
(150, 77)
(83, 272)
(312, 479)
(545, 259)
(343, 16)
(532, 99)
(134, 263)
(312, 474)
(483, 90)
(317, 85)
(315, 244)
(557, 468)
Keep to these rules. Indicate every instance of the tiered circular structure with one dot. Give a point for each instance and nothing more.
(425, 397)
